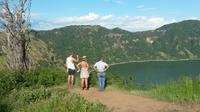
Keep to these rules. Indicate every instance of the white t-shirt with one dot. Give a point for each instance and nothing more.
(100, 65)
(70, 63)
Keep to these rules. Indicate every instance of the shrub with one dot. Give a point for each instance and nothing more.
(93, 81)
(50, 99)
(5, 106)
(44, 76)
(28, 96)
(51, 76)
(7, 82)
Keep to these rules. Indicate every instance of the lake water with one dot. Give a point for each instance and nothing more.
(157, 72)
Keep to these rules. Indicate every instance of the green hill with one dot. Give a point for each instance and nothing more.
(173, 41)
(184, 29)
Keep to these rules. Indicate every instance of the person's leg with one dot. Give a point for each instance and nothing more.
(86, 83)
(103, 81)
(82, 83)
(99, 80)
(72, 80)
(69, 77)
(69, 80)
(72, 76)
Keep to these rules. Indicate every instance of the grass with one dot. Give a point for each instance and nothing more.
(49, 76)
(184, 91)
(50, 99)
(41, 91)
(69, 103)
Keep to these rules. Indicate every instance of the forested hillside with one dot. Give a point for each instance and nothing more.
(173, 41)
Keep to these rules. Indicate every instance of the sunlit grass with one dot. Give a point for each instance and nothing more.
(44, 90)
(185, 90)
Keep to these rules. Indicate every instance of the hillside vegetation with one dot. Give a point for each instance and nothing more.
(173, 41)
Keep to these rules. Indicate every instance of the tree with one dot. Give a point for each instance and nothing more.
(15, 22)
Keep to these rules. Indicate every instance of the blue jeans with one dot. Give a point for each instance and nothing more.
(101, 78)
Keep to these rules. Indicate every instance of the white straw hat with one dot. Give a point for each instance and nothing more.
(84, 56)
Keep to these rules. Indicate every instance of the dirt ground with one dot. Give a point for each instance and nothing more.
(122, 101)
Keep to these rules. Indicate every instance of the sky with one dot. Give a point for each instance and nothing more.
(131, 15)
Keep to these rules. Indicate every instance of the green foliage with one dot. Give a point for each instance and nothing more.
(185, 90)
(28, 96)
(51, 76)
(93, 81)
(120, 82)
(8, 81)
(5, 106)
(43, 76)
(173, 41)
(48, 99)
(35, 91)
(69, 103)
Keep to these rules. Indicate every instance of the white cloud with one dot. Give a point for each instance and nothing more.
(131, 23)
(192, 18)
(140, 23)
(89, 17)
(107, 17)
(144, 8)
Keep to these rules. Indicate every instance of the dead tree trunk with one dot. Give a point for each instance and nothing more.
(15, 21)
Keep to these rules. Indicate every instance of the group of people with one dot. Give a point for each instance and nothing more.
(83, 67)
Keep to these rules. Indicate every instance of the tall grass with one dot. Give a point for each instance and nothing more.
(185, 90)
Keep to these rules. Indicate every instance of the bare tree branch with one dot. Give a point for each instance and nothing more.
(15, 21)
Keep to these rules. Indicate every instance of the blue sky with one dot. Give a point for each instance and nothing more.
(132, 15)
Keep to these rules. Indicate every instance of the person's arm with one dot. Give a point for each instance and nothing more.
(88, 65)
(106, 67)
(66, 65)
(78, 67)
(76, 59)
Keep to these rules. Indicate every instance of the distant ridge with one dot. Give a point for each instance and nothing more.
(172, 41)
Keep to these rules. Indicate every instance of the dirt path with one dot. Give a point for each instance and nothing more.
(120, 101)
